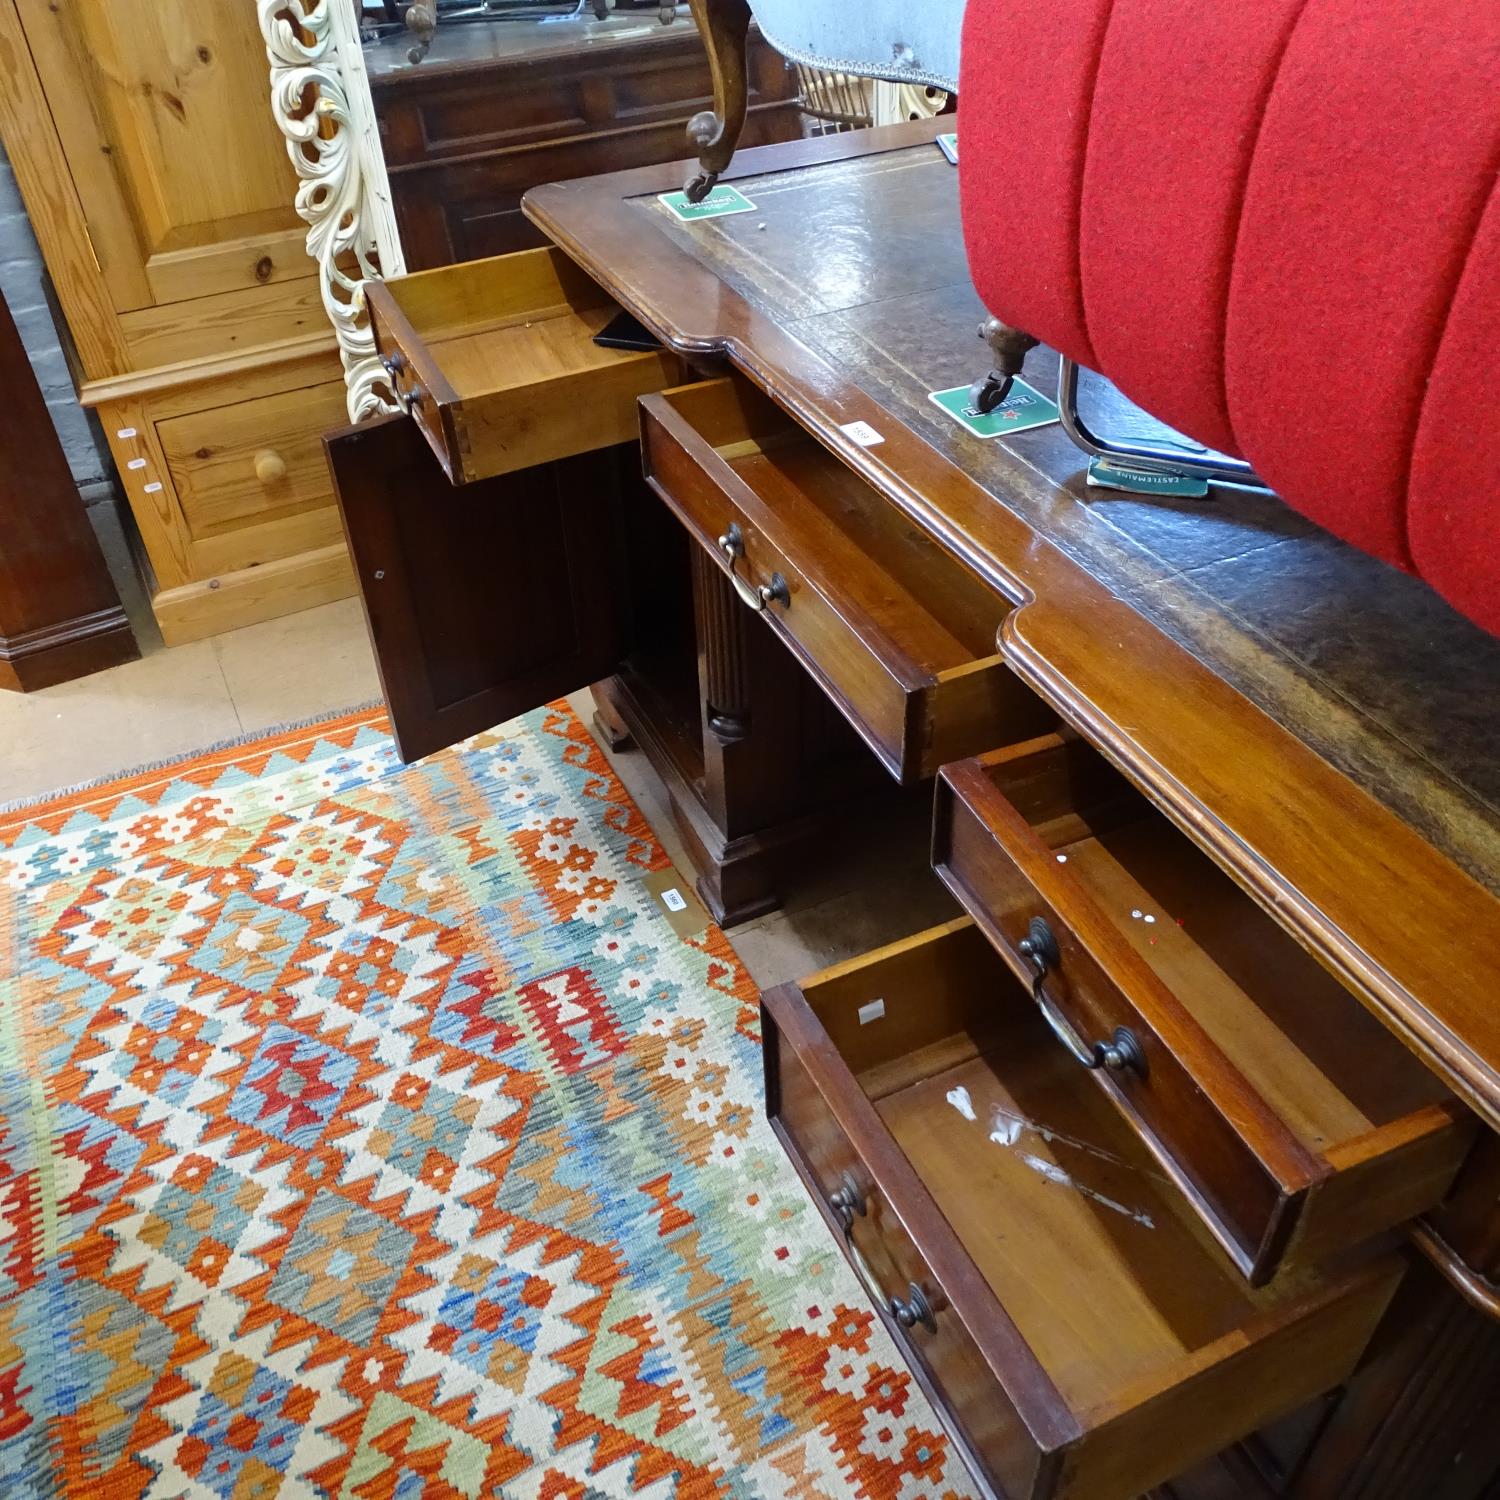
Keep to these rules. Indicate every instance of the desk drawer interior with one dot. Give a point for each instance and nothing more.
(496, 359)
(1256, 1057)
(997, 1179)
(898, 629)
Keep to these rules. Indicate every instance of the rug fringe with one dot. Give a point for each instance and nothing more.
(234, 742)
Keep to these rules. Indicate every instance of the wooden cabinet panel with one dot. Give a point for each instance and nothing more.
(206, 259)
(143, 138)
(224, 326)
(60, 616)
(229, 545)
(52, 201)
(1059, 1299)
(164, 115)
(484, 599)
(1294, 1121)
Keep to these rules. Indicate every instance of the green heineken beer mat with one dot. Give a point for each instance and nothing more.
(1111, 474)
(1025, 407)
(948, 145)
(723, 200)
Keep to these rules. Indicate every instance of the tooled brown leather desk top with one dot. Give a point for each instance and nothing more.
(1325, 725)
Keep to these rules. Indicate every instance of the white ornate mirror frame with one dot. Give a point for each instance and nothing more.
(321, 99)
(320, 96)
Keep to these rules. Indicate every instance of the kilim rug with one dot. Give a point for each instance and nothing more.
(368, 1131)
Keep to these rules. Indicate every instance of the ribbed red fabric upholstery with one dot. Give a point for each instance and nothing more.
(1170, 196)
(1024, 141)
(1453, 508)
(1272, 226)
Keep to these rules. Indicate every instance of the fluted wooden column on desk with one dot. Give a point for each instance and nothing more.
(60, 614)
(722, 648)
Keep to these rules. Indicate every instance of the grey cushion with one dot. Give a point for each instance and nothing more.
(906, 41)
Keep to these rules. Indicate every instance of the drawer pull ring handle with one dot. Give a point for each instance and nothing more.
(1121, 1053)
(915, 1309)
(732, 545)
(393, 365)
(847, 1201)
(776, 592)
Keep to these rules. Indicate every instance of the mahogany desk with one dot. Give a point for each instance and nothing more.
(1210, 709)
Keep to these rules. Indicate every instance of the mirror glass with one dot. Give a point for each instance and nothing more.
(479, 100)
(403, 32)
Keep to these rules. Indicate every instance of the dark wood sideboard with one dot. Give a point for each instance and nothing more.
(60, 613)
(496, 108)
(1261, 1253)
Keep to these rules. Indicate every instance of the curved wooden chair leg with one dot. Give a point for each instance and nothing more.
(725, 28)
(421, 22)
(1009, 346)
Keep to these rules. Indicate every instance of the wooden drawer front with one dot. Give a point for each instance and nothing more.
(496, 361)
(568, 90)
(1293, 1122)
(947, 1361)
(240, 465)
(580, 101)
(896, 631)
(1080, 1332)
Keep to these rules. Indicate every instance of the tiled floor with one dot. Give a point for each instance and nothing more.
(172, 702)
(870, 883)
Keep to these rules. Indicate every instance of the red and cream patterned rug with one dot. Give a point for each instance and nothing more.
(368, 1131)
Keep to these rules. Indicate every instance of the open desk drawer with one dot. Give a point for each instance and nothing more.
(1293, 1121)
(896, 630)
(1065, 1311)
(496, 361)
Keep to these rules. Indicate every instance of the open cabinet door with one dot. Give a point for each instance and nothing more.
(484, 599)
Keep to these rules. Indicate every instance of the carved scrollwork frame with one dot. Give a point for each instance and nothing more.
(321, 101)
(320, 97)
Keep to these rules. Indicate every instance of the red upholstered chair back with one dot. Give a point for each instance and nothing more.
(1273, 224)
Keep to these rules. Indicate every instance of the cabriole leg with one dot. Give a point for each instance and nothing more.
(725, 28)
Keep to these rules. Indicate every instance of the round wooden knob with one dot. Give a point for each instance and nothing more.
(270, 466)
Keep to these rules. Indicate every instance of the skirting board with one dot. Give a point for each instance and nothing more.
(211, 606)
(70, 648)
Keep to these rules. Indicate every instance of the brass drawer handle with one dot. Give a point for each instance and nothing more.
(732, 545)
(846, 1202)
(1121, 1053)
